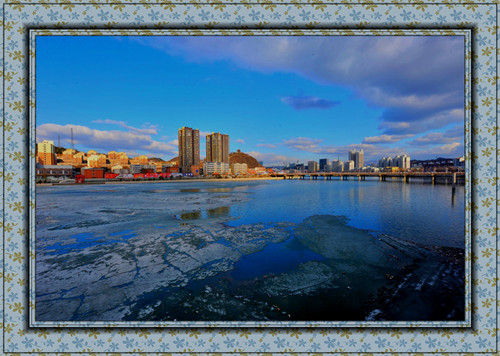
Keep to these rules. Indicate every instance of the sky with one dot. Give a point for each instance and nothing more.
(281, 99)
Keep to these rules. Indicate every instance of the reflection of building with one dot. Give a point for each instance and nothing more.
(324, 165)
(217, 148)
(312, 166)
(46, 153)
(358, 157)
(189, 149)
(239, 168)
(218, 212)
(215, 167)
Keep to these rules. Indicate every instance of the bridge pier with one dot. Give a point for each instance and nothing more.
(406, 178)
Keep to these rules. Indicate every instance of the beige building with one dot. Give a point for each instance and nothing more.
(239, 168)
(93, 161)
(46, 153)
(210, 168)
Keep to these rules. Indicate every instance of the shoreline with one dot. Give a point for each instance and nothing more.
(184, 180)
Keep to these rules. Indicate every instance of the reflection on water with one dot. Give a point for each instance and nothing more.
(218, 190)
(222, 211)
(192, 190)
(193, 215)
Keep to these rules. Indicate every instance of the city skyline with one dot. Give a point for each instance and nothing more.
(272, 109)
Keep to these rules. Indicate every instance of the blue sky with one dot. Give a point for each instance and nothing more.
(280, 99)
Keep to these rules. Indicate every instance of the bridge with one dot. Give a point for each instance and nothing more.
(448, 177)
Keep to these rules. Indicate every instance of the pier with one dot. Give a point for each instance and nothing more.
(432, 177)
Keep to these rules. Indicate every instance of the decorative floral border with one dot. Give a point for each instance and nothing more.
(33, 34)
(19, 200)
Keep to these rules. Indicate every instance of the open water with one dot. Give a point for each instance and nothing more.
(244, 247)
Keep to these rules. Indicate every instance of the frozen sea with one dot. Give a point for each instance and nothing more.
(250, 251)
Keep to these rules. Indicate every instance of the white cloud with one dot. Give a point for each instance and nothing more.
(385, 139)
(148, 129)
(268, 145)
(105, 140)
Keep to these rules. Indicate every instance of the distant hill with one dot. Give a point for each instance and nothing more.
(234, 157)
(155, 159)
(240, 157)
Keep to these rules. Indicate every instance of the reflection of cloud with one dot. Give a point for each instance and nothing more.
(268, 145)
(385, 139)
(308, 102)
(150, 129)
(105, 140)
(413, 78)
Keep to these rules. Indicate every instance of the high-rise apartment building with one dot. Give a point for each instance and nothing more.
(324, 165)
(189, 149)
(402, 162)
(312, 166)
(358, 157)
(337, 166)
(217, 148)
(349, 165)
(46, 153)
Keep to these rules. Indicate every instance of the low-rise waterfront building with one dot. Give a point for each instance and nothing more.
(93, 172)
(142, 168)
(349, 165)
(239, 168)
(46, 173)
(210, 168)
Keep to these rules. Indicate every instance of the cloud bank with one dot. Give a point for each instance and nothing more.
(418, 81)
(105, 141)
